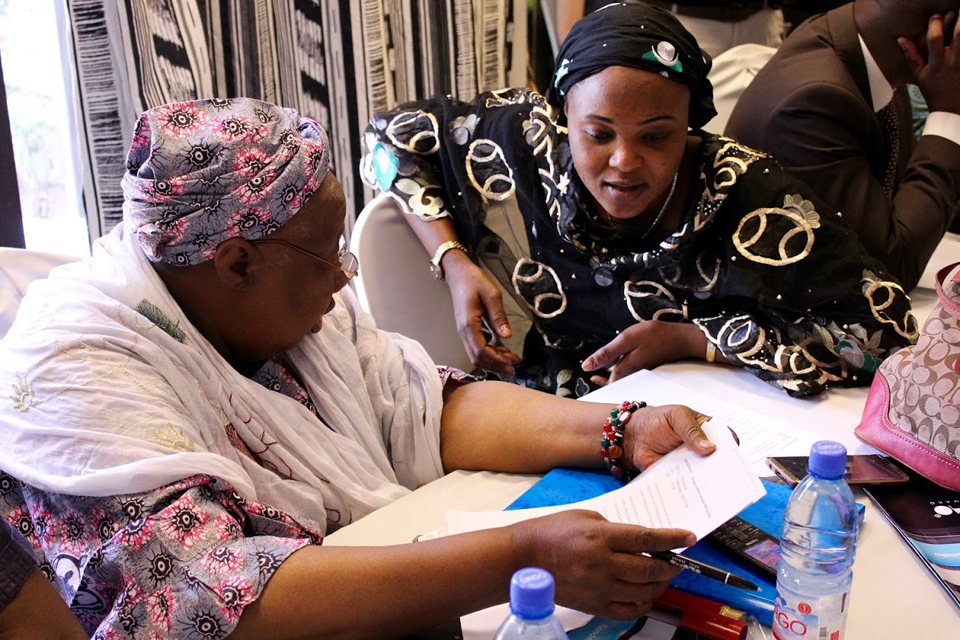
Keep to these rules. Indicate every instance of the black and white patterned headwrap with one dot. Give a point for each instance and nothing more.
(638, 36)
(201, 172)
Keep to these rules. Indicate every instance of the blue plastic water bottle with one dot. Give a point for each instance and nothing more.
(531, 606)
(817, 548)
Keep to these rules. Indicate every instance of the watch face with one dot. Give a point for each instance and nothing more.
(436, 271)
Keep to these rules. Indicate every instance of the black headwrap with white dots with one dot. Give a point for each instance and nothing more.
(638, 36)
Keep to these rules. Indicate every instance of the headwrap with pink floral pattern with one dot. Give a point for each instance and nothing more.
(201, 172)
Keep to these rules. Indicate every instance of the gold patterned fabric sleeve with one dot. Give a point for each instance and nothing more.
(401, 153)
(441, 154)
(802, 304)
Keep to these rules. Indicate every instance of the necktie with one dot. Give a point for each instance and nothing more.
(891, 134)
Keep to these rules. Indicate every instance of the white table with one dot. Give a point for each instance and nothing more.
(893, 594)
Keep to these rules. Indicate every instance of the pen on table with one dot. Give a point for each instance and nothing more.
(703, 569)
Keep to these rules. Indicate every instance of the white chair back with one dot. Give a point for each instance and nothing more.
(732, 72)
(18, 268)
(396, 287)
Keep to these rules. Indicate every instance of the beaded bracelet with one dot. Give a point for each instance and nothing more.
(611, 445)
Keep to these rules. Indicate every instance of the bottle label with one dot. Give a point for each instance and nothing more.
(799, 617)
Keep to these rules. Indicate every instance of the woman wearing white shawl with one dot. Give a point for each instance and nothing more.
(193, 406)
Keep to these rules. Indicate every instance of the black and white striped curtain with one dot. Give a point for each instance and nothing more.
(337, 62)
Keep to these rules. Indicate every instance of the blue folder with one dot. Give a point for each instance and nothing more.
(563, 486)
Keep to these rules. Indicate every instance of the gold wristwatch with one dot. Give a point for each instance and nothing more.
(438, 256)
(711, 352)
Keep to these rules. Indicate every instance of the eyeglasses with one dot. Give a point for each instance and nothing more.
(349, 263)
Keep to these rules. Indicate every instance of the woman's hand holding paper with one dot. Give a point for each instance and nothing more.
(653, 432)
(597, 564)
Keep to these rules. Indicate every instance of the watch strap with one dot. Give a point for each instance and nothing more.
(435, 265)
(711, 355)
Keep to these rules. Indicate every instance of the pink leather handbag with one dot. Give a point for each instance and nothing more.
(913, 409)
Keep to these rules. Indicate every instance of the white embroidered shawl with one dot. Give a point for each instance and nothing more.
(100, 400)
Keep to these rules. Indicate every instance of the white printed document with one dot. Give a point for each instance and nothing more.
(681, 490)
(760, 436)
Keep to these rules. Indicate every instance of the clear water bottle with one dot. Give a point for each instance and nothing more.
(531, 606)
(817, 548)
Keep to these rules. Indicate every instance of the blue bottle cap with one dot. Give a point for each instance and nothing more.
(828, 459)
(531, 593)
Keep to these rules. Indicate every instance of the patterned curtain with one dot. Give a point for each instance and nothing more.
(338, 62)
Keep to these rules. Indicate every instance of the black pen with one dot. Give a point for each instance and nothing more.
(703, 569)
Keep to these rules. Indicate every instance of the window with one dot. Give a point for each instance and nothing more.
(40, 102)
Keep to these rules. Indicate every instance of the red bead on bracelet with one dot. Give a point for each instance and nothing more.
(611, 443)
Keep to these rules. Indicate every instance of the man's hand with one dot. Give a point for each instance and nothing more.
(646, 345)
(939, 75)
(475, 297)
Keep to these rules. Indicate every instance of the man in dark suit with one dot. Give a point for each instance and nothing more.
(832, 107)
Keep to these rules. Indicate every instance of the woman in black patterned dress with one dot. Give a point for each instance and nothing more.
(614, 234)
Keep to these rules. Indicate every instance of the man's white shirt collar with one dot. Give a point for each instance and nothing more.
(881, 93)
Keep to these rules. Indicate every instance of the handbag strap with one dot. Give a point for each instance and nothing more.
(952, 307)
